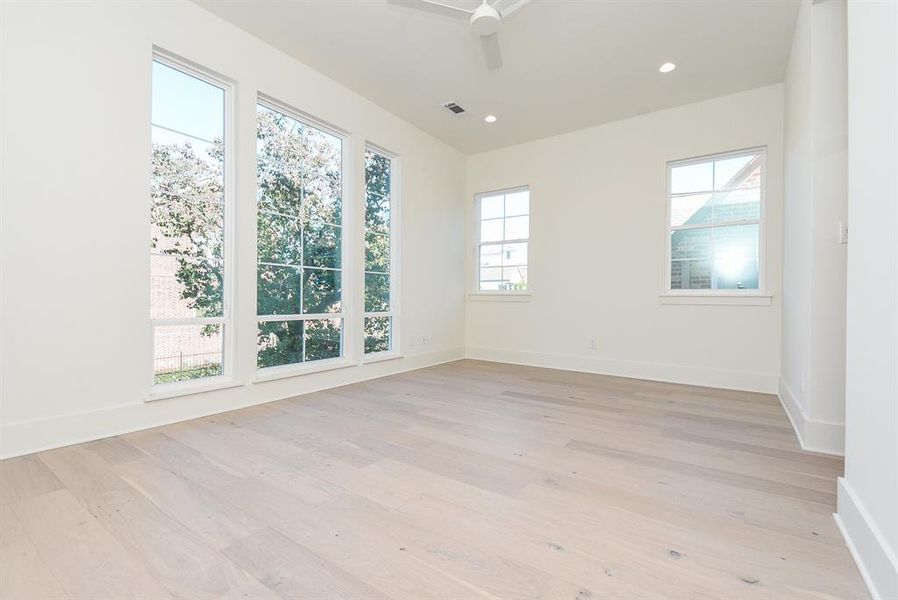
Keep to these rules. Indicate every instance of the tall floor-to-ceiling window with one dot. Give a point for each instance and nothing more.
(299, 239)
(380, 249)
(189, 301)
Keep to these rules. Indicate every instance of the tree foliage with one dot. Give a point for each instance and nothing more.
(299, 235)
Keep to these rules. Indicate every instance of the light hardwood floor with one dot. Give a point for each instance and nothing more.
(465, 480)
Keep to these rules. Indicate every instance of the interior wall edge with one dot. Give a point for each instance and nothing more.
(813, 435)
(668, 373)
(876, 561)
(27, 437)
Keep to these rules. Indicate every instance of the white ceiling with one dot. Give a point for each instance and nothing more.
(569, 64)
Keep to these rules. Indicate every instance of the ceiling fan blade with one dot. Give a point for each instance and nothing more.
(434, 8)
(506, 7)
(491, 51)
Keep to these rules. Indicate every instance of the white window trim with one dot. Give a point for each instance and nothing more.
(748, 297)
(395, 262)
(347, 245)
(478, 295)
(229, 345)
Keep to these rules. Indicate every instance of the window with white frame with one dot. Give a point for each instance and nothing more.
(189, 303)
(503, 233)
(299, 293)
(379, 252)
(715, 222)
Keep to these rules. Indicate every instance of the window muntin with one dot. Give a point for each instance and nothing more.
(715, 222)
(503, 234)
(299, 278)
(189, 308)
(379, 320)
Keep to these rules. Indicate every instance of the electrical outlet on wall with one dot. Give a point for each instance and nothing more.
(593, 344)
(425, 340)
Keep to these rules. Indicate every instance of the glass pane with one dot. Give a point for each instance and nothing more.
(517, 203)
(187, 104)
(320, 200)
(324, 339)
(692, 274)
(690, 243)
(491, 256)
(692, 178)
(514, 278)
(279, 343)
(187, 209)
(514, 254)
(517, 228)
(491, 207)
(492, 230)
(377, 292)
(377, 252)
(323, 182)
(694, 209)
(277, 290)
(321, 291)
(489, 286)
(377, 174)
(491, 274)
(185, 352)
(281, 152)
(378, 336)
(183, 287)
(740, 204)
(377, 213)
(736, 257)
(321, 245)
(731, 172)
(279, 239)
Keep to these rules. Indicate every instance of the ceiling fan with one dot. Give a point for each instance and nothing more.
(484, 21)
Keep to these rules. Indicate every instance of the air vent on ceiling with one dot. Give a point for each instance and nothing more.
(455, 108)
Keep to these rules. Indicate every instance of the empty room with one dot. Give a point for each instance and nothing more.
(462, 300)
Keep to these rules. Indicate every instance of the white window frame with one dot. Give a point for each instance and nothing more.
(759, 296)
(346, 245)
(395, 220)
(502, 295)
(229, 346)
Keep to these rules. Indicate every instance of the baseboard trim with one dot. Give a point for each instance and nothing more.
(27, 437)
(814, 436)
(877, 562)
(733, 380)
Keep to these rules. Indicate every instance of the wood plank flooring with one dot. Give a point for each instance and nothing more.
(466, 480)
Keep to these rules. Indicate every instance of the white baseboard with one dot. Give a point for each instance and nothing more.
(814, 436)
(876, 561)
(26, 437)
(733, 380)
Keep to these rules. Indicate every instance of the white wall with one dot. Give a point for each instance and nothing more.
(814, 264)
(868, 494)
(597, 253)
(76, 344)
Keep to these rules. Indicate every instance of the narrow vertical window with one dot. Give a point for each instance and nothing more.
(299, 239)
(188, 290)
(379, 243)
(715, 222)
(503, 236)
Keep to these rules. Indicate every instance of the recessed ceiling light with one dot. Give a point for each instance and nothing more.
(490, 118)
(667, 67)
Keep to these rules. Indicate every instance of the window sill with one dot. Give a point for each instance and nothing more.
(380, 357)
(499, 297)
(286, 371)
(719, 299)
(188, 388)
